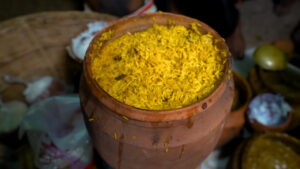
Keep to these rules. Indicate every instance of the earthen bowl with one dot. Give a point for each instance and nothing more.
(242, 155)
(249, 156)
(258, 127)
(236, 119)
(131, 138)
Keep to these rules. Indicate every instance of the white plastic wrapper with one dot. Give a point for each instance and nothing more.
(57, 133)
(80, 44)
(11, 115)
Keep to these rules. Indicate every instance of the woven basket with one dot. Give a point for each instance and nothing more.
(34, 45)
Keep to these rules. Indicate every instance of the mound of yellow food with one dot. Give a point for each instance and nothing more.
(160, 68)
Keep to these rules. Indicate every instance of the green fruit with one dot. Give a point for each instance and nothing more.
(271, 58)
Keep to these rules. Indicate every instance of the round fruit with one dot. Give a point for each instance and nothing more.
(271, 58)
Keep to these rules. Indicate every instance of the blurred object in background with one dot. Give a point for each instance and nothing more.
(35, 46)
(57, 134)
(273, 58)
(267, 151)
(261, 25)
(115, 7)
(14, 8)
(16, 157)
(80, 43)
(296, 37)
(283, 78)
(269, 112)
(221, 15)
(270, 57)
(281, 7)
(40, 88)
(285, 45)
(236, 43)
(12, 114)
(122, 7)
(214, 161)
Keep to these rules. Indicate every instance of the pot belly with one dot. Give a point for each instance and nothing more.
(131, 144)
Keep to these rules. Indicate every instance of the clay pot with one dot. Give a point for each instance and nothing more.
(257, 126)
(131, 138)
(242, 153)
(236, 119)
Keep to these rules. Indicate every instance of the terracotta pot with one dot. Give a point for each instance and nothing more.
(131, 138)
(236, 119)
(248, 157)
(242, 153)
(257, 126)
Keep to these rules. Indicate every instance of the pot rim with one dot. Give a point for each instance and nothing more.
(131, 112)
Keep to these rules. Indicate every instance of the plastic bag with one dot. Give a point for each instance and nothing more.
(57, 133)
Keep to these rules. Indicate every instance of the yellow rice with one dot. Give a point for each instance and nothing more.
(161, 68)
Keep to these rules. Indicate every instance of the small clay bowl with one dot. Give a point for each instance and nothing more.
(236, 118)
(241, 154)
(258, 127)
(248, 157)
